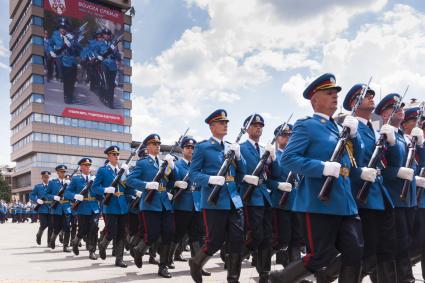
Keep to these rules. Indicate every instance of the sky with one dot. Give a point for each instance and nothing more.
(191, 57)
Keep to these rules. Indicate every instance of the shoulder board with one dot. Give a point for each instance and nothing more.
(202, 141)
(304, 118)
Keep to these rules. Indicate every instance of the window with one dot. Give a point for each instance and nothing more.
(74, 140)
(127, 112)
(60, 139)
(67, 121)
(82, 141)
(37, 40)
(126, 44)
(37, 21)
(36, 59)
(74, 123)
(59, 120)
(127, 28)
(45, 118)
(45, 137)
(53, 138)
(37, 98)
(127, 62)
(126, 79)
(67, 139)
(37, 79)
(52, 119)
(37, 137)
(38, 3)
(126, 95)
(37, 117)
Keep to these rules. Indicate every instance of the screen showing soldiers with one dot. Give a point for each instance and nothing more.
(83, 51)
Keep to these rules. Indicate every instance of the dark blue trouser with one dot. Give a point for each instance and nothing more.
(157, 224)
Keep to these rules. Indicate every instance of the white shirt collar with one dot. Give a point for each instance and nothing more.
(280, 149)
(185, 160)
(322, 115)
(253, 142)
(84, 176)
(153, 157)
(217, 140)
(363, 120)
(114, 167)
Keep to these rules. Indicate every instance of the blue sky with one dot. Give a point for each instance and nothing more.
(194, 56)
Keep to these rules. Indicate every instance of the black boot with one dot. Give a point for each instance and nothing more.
(152, 254)
(179, 251)
(49, 236)
(423, 264)
(170, 260)
(294, 253)
(127, 242)
(61, 237)
(103, 245)
(38, 236)
(75, 245)
(92, 242)
(294, 272)
(139, 252)
(329, 273)
(164, 257)
(350, 274)
(133, 242)
(264, 261)
(404, 270)
(53, 241)
(254, 255)
(119, 251)
(196, 263)
(282, 257)
(65, 241)
(194, 248)
(234, 268)
(386, 272)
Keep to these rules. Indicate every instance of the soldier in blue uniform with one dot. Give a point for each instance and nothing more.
(115, 212)
(187, 216)
(377, 214)
(394, 175)
(88, 210)
(3, 209)
(417, 247)
(331, 227)
(66, 49)
(223, 221)
(61, 215)
(257, 211)
(108, 54)
(38, 195)
(287, 237)
(157, 214)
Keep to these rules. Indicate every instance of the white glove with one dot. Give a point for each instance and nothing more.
(250, 179)
(405, 173)
(67, 182)
(39, 201)
(216, 180)
(389, 132)
(170, 159)
(272, 149)
(152, 186)
(419, 134)
(100, 58)
(331, 169)
(66, 41)
(125, 167)
(237, 149)
(352, 123)
(69, 36)
(112, 47)
(92, 178)
(420, 181)
(53, 54)
(284, 186)
(139, 194)
(170, 196)
(368, 174)
(180, 184)
(79, 197)
(109, 190)
(57, 198)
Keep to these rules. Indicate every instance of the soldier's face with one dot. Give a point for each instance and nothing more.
(114, 158)
(282, 140)
(85, 169)
(154, 148)
(409, 125)
(325, 101)
(187, 152)
(61, 174)
(255, 131)
(219, 128)
(397, 118)
(62, 31)
(368, 103)
(45, 178)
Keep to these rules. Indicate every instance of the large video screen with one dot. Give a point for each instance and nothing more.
(83, 60)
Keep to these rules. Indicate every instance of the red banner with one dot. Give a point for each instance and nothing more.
(80, 8)
(93, 115)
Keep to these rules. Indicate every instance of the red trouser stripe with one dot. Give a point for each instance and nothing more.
(204, 216)
(145, 224)
(308, 256)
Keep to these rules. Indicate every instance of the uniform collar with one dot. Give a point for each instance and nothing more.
(279, 149)
(113, 167)
(217, 140)
(322, 115)
(363, 120)
(253, 142)
(152, 156)
(185, 160)
(84, 176)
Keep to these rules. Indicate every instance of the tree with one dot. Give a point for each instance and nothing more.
(5, 190)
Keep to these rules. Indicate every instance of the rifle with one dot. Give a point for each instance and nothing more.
(228, 159)
(380, 146)
(159, 175)
(340, 147)
(114, 43)
(118, 177)
(62, 190)
(180, 191)
(260, 165)
(83, 192)
(292, 177)
(412, 154)
(419, 190)
(37, 207)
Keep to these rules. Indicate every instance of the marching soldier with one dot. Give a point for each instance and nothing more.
(88, 208)
(224, 219)
(186, 205)
(61, 214)
(377, 213)
(156, 212)
(39, 195)
(257, 211)
(287, 236)
(394, 176)
(114, 212)
(331, 227)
